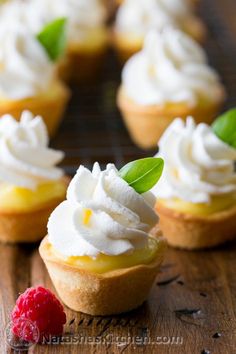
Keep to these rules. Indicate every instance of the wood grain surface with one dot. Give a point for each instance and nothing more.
(192, 307)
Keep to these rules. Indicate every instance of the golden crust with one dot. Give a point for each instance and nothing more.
(100, 294)
(146, 124)
(49, 105)
(22, 227)
(196, 232)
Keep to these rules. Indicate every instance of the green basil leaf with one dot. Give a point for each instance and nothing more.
(225, 127)
(53, 38)
(142, 174)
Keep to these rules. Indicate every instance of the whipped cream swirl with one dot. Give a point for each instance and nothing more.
(25, 158)
(137, 17)
(20, 13)
(172, 67)
(198, 165)
(82, 15)
(102, 214)
(25, 69)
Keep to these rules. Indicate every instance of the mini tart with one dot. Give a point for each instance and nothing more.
(107, 293)
(188, 231)
(146, 124)
(50, 105)
(127, 44)
(84, 60)
(21, 226)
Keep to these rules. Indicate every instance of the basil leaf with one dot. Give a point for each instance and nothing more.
(142, 174)
(225, 127)
(53, 38)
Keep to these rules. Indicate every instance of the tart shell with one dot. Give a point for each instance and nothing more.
(196, 232)
(146, 124)
(103, 294)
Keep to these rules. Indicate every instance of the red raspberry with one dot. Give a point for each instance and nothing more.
(37, 314)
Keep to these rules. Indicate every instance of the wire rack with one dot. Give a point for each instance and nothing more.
(93, 129)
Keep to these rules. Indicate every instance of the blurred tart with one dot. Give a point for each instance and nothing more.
(169, 78)
(98, 251)
(87, 35)
(49, 104)
(27, 77)
(135, 18)
(196, 196)
(30, 184)
(85, 57)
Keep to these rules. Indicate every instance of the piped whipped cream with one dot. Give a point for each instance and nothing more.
(102, 214)
(198, 165)
(21, 13)
(172, 67)
(25, 68)
(25, 158)
(137, 17)
(82, 15)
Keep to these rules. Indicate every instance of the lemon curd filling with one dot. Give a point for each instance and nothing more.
(104, 263)
(21, 199)
(87, 216)
(217, 204)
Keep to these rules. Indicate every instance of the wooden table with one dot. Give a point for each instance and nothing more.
(192, 307)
